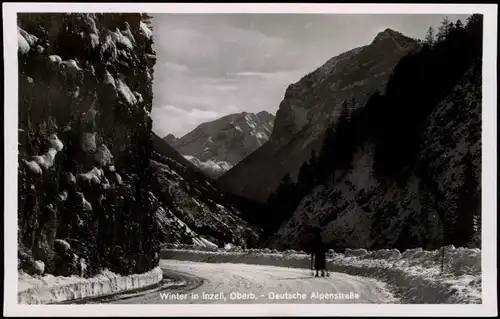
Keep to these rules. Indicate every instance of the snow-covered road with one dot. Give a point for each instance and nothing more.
(244, 283)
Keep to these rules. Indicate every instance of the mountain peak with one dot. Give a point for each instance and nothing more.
(170, 138)
(310, 105)
(265, 116)
(218, 145)
(390, 31)
(263, 113)
(386, 34)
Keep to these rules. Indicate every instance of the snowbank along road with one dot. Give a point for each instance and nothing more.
(243, 283)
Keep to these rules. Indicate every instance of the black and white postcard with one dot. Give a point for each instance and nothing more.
(250, 159)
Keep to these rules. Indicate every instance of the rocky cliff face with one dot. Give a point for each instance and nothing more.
(309, 106)
(191, 210)
(217, 146)
(96, 189)
(404, 170)
(357, 211)
(85, 95)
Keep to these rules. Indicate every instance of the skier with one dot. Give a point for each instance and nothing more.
(318, 254)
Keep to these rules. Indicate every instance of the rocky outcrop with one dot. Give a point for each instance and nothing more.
(218, 145)
(403, 171)
(85, 93)
(191, 209)
(309, 106)
(98, 190)
(357, 211)
(170, 138)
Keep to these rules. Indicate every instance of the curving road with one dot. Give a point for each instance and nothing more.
(243, 283)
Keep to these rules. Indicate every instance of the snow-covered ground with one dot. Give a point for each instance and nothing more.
(378, 276)
(225, 283)
(414, 276)
(48, 289)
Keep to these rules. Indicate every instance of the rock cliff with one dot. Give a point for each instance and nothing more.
(441, 194)
(96, 188)
(85, 95)
(309, 106)
(404, 170)
(192, 210)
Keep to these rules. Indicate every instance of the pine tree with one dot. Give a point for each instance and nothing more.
(344, 139)
(451, 27)
(313, 171)
(459, 25)
(352, 104)
(313, 162)
(307, 177)
(325, 158)
(344, 113)
(313, 159)
(282, 203)
(474, 28)
(430, 37)
(443, 30)
(474, 20)
(304, 179)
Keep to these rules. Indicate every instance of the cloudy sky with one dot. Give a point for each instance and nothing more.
(211, 65)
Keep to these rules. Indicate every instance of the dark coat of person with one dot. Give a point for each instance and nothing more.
(318, 251)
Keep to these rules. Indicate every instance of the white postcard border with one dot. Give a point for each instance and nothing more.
(489, 160)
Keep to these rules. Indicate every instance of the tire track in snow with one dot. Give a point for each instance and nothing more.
(260, 280)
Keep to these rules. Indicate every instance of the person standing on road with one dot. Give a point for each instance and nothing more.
(318, 254)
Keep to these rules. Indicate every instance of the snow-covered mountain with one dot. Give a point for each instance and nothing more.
(309, 106)
(218, 145)
(192, 210)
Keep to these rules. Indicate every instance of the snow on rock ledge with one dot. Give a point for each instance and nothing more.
(49, 289)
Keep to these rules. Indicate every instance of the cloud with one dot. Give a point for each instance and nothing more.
(211, 47)
(211, 65)
(170, 119)
(219, 87)
(268, 75)
(283, 75)
(170, 66)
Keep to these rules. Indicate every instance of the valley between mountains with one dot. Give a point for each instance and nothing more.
(379, 147)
